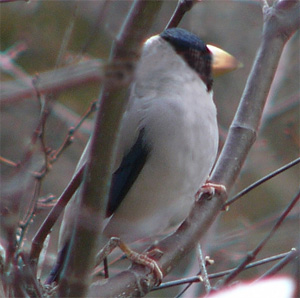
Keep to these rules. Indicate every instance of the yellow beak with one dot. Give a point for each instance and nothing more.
(223, 62)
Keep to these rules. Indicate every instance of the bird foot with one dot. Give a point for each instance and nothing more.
(211, 189)
(146, 260)
(138, 258)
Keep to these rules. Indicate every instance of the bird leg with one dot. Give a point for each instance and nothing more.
(138, 258)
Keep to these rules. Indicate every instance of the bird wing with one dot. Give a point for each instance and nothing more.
(127, 173)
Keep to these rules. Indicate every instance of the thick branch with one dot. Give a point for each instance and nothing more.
(279, 25)
(53, 81)
(98, 172)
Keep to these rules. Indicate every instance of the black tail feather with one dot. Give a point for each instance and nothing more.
(58, 267)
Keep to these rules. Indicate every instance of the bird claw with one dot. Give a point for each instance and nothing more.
(145, 260)
(138, 258)
(211, 189)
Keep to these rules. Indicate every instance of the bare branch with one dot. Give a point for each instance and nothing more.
(279, 26)
(46, 226)
(125, 52)
(182, 8)
(252, 255)
(197, 278)
(69, 138)
(53, 81)
(276, 268)
(261, 181)
(100, 21)
(71, 188)
(12, 193)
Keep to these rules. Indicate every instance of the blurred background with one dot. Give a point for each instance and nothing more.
(36, 31)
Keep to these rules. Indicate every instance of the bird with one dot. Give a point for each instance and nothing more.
(168, 140)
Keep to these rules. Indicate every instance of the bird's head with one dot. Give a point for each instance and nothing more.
(206, 60)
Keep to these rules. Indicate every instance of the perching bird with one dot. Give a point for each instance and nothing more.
(168, 139)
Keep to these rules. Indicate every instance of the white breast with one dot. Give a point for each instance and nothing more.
(179, 117)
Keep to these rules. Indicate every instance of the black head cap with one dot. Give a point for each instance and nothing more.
(193, 50)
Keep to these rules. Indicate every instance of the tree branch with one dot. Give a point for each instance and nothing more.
(182, 8)
(53, 81)
(95, 188)
(46, 226)
(279, 25)
(252, 254)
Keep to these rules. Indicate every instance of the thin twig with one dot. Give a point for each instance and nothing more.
(8, 65)
(200, 277)
(8, 162)
(281, 108)
(203, 269)
(252, 255)
(67, 36)
(182, 8)
(46, 202)
(261, 181)
(100, 21)
(197, 278)
(69, 138)
(46, 226)
(37, 136)
(32, 286)
(277, 267)
(30, 212)
(12, 193)
(46, 107)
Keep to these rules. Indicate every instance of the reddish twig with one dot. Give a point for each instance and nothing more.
(69, 138)
(45, 228)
